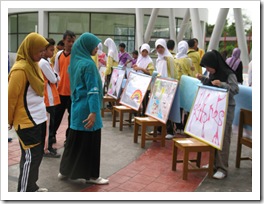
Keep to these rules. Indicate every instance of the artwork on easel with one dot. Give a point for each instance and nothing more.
(161, 99)
(115, 84)
(135, 89)
(102, 75)
(207, 117)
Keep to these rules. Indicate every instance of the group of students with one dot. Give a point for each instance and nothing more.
(37, 87)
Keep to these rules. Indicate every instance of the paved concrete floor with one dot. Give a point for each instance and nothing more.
(118, 150)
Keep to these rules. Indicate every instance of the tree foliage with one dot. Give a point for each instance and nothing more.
(230, 31)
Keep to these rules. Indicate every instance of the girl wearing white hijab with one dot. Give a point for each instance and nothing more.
(182, 62)
(112, 59)
(164, 63)
(144, 63)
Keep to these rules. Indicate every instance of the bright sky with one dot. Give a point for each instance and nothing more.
(213, 13)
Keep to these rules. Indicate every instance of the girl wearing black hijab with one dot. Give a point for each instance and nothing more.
(222, 76)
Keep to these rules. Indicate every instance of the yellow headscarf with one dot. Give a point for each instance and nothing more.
(30, 46)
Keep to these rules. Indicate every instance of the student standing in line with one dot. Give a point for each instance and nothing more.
(195, 57)
(199, 50)
(51, 97)
(112, 59)
(222, 76)
(144, 65)
(171, 46)
(165, 66)
(184, 67)
(236, 64)
(134, 58)
(27, 111)
(60, 46)
(62, 62)
(81, 156)
(164, 63)
(123, 56)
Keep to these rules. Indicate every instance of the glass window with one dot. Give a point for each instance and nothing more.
(12, 42)
(76, 22)
(19, 25)
(119, 27)
(161, 27)
(112, 24)
(12, 24)
(27, 22)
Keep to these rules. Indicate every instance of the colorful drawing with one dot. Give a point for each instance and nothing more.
(207, 117)
(115, 85)
(135, 89)
(102, 74)
(161, 99)
(137, 96)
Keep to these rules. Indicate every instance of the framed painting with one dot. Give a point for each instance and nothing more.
(161, 99)
(115, 84)
(207, 117)
(135, 89)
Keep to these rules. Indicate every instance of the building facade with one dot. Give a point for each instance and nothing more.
(119, 24)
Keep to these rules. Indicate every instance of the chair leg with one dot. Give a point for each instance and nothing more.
(185, 164)
(198, 159)
(114, 118)
(174, 157)
(136, 132)
(143, 135)
(211, 162)
(121, 121)
(238, 153)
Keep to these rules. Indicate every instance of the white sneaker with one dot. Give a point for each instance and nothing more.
(61, 177)
(169, 136)
(205, 166)
(219, 175)
(152, 133)
(42, 190)
(99, 181)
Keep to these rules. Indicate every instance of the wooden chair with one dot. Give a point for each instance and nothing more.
(144, 122)
(121, 110)
(245, 118)
(188, 145)
(108, 99)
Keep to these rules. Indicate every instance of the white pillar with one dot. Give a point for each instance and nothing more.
(241, 37)
(184, 25)
(139, 28)
(43, 23)
(218, 29)
(150, 25)
(172, 28)
(196, 25)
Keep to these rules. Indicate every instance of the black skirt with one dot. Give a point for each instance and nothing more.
(81, 156)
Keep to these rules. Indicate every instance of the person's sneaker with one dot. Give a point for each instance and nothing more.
(51, 155)
(205, 166)
(152, 133)
(61, 177)
(219, 175)
(42, 190)
(53, 150)
(99, 180)
(169, 136)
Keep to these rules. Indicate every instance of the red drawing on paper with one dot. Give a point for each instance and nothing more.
(207, 115)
